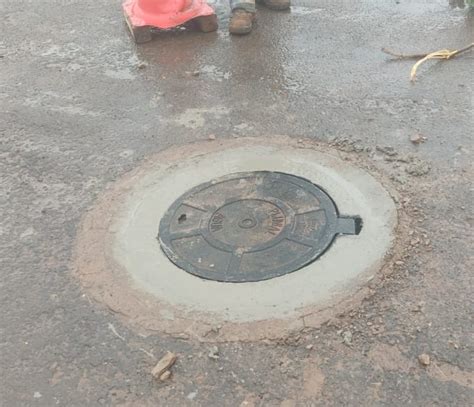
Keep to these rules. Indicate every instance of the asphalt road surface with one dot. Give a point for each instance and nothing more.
(81, 105)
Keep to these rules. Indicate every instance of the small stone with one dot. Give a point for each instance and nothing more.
(142, 65)
(347, 337)
(163, 365)
(310, 346)
(165, 376)
(399, 263)
(211, 137)
(196, 73)
(214, 353)
(424, 359)
(37, 395)
(417, 138)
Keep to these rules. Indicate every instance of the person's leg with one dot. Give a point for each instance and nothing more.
(247, 5)
(243, 14)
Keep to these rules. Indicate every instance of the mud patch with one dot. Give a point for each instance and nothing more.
(389, 358)
(445, 372)
(313, 379)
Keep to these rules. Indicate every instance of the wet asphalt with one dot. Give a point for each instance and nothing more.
(81, 105)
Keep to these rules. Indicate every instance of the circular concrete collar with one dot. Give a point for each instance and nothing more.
(120, 262)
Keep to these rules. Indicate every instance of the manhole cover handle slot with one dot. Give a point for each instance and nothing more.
(349, 225)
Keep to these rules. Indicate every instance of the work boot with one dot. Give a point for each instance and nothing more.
(276, 4)
(241, 22)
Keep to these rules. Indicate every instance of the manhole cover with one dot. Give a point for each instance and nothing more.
(251, 226)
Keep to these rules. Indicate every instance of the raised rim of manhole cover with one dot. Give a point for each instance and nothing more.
(251, 226)
(119, 261)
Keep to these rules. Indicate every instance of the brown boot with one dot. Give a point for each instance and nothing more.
(241, 22)
(276, 4)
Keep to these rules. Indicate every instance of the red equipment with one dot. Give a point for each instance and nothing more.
(143, 15)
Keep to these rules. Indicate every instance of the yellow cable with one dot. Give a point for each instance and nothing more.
(441, 54)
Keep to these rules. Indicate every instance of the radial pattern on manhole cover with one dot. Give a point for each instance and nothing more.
(251, 226)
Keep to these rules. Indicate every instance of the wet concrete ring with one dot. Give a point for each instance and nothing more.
(120, 262)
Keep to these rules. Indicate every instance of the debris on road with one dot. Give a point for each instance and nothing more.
(387, 150)
(161, 370)
(165, 376)
(415, 166)
(424, 359)
(347, 338)
(214, 353)
(417, 138)
(418, 168)
(211, 137)
(348, 145)
(441, 54)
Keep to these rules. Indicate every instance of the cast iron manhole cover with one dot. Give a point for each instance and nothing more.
(251, 226)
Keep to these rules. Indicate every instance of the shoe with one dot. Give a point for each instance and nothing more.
(241, 22)
(276, 4)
